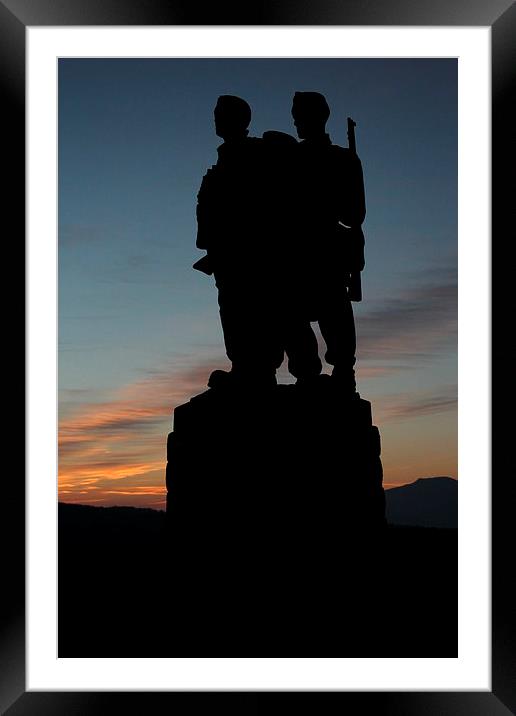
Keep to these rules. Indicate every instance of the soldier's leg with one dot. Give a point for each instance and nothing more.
(337, 326)
(299, 339)
(228, 319)
(236, 320)
(250, 345)
(268, 341)
(264, 347)
(302, 349)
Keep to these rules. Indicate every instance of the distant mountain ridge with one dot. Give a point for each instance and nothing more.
(427, 502)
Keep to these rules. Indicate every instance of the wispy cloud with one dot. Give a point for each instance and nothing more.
(78, 234)
(113, 442)
(415, 326)
(407, 406)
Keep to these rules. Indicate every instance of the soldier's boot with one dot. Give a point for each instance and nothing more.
(237, 379)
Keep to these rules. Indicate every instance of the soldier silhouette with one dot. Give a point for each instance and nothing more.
(230, 227)
(330, 209)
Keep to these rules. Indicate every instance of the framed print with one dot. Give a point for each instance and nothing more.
(74, 61)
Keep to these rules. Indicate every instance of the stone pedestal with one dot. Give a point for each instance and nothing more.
(284, 475)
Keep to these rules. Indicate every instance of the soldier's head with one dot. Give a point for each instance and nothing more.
(232, 117)
(310, 112)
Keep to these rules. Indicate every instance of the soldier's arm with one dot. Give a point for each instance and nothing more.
(352, 204)
(203, 211)
(202, 224)
(353, 211)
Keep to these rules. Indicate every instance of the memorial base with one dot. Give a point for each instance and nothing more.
(283, 474)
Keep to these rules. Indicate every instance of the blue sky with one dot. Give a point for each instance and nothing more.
(135, 138)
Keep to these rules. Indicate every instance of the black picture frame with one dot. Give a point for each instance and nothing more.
(500, 16)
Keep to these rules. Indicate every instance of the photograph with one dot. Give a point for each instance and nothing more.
(260, 352)
(258, 267)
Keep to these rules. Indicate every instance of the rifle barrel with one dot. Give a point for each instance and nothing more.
(351, 135)
(355, 283)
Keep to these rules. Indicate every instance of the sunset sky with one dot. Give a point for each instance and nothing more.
(139, 331)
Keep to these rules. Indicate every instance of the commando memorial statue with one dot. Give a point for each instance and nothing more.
(275, 486)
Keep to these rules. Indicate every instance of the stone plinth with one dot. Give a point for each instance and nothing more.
(285, 473)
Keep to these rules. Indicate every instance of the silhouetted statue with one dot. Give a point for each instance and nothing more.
(231, 228)
(275, 499)
(280, 221)
(329, 211)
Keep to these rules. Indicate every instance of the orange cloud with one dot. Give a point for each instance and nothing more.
(408, 406)
(113, 452)
(112, 443)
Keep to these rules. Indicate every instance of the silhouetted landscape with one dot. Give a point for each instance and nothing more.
(125, 592)
(427, 502)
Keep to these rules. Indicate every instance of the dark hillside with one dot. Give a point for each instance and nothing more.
(125, 591)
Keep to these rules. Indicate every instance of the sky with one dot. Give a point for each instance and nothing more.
(139, 331)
